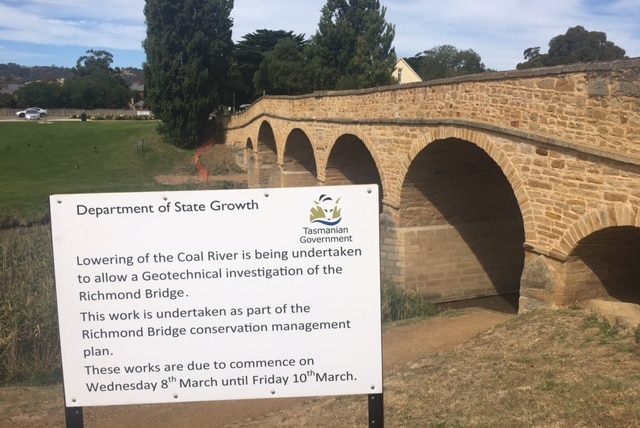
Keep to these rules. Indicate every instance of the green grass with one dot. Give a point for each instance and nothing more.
(37, 160)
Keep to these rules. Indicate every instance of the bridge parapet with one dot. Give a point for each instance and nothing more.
(592, 108)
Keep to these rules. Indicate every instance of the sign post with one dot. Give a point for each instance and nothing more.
(168, 297)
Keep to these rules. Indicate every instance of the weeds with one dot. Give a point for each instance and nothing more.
(29, 344)
(608, 332)
(636, 334)
(399, 304)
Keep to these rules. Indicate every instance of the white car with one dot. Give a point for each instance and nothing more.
(33, 114)
(41, 111)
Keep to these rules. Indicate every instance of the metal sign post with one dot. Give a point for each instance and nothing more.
(74, 417)
(376, 411)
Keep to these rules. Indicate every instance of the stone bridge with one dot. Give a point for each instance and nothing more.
(513, 182)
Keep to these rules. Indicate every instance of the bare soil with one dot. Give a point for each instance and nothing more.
(30, 407)
(218, 161)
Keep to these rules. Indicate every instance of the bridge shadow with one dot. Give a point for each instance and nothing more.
(455, 189)
(505, 303)
(299, 154)
(607, 264)
(351, 162)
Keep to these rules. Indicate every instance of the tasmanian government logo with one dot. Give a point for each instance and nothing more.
(326, 211)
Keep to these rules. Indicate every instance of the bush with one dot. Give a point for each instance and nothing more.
(114, 117)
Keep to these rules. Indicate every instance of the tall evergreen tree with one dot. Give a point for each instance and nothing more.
(249, 55)
(282, 72)
(352, 47)
(189, 51)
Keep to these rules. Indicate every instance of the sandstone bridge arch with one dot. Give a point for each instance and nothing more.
(521, 182)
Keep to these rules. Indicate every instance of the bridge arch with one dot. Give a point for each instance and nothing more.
(487, 143)
(595, 220)
(460, 225)
(605, 264)
(351, 158)
(298, 160)
(265, 157)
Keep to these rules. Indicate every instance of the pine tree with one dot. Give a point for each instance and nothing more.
(189, 50)
(251, 51)
(352, 47)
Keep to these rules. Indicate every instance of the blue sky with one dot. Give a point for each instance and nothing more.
(58, 32)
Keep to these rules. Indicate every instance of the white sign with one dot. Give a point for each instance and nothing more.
(218, 295)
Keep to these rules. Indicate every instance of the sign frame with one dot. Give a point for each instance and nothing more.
(309, 253)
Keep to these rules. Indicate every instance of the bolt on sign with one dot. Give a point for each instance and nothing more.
(218, 295)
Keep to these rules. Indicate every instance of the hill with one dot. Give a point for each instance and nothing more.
(12, 73)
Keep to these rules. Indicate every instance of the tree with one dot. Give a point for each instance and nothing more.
(8, 101)
(49, 94)
(249, 54)
(282, 71)
(95, 61)
(577, 45)
(95, 83)
(446, 61)
(352, 47)
(189, 51)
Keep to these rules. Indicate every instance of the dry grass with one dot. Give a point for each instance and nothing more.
(542, 369)
(31, 406)
(29, 345)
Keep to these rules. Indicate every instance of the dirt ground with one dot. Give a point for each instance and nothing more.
(401, 344)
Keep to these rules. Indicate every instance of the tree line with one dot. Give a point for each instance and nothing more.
(92, 83)
(193, 68)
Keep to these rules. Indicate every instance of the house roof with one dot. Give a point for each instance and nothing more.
(403, 72)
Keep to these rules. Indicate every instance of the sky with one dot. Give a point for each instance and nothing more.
(58, 32)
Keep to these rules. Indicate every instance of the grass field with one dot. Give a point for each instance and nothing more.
(40, 159)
